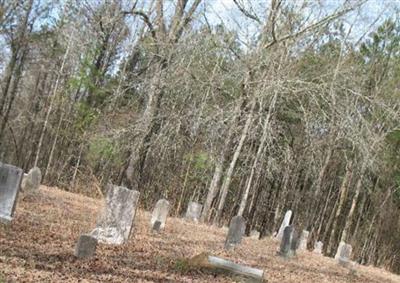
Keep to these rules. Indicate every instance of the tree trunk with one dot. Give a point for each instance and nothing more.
(257, 157)
(349, 219)
(227, 180)
(342, 198)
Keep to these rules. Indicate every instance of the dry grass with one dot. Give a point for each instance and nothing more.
(38, 247)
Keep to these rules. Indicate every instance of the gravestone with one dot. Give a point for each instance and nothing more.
(339, 249)
(254, 234)
(86, 246)
(295, 242)
(156, 226)
(31, 181)
(10, 182)
(115, 222)
(285, 222)
(345, 254)
(193, 211)
(318, 247)
(235, 233)
(160, 213)
(285, 249)
(303, 240)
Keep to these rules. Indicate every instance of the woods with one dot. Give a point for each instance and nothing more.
(292, 106)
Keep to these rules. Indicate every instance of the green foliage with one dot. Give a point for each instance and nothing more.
(86, 116)
(103, 149)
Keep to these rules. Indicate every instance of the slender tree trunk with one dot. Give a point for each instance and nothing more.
(50, 108)
(227, 180)
(257, 157)
(342, 198)
(349, 219)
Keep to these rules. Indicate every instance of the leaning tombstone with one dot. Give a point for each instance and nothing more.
(193, 211)
(115, 222)
(10, 182)
(318, 247)
(303, 240)
(285, 223)
(235, 233)
(31, 181)
(160, 213)
(86, 246)
(286, 242)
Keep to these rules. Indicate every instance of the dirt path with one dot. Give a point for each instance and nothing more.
(38, 247)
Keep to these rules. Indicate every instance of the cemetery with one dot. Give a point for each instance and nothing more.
(47, 238)
(200, 141)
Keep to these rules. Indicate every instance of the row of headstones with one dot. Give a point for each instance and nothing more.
(292, 241)
(11, 180)
(115, 222)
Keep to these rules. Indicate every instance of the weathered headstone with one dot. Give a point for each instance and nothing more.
(116, 220)
(157, 226)
(236, 231)
(160, 213)
(303, 240)
(285, 222)
(285, 249)
(86, 246)
(295, 242)
(193, 211)
(10, 182)
(345, 254)
(339, 250)
(31, 181)
(318, 247)
(254, 234)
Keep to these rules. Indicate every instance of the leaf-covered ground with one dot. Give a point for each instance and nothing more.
(38, 247)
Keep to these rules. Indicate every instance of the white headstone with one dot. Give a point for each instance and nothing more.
(10, 182)
(160, 213)
(318, 247)
(116, 220)
(339, 250)
(303, 240)
(31, 181)
(285, 223)
(254, 234)
(193, 211)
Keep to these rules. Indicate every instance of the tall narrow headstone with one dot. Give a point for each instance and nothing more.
(86, 246)
(303, 240)
(285, 249)
(285, 223)
(193, 211)
(339, 250)
(10, 182)
(235, 233)
(31, 181)
(160, 213)
(318, 247)
(116, 220)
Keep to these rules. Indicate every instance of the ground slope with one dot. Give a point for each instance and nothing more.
(38, 247)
